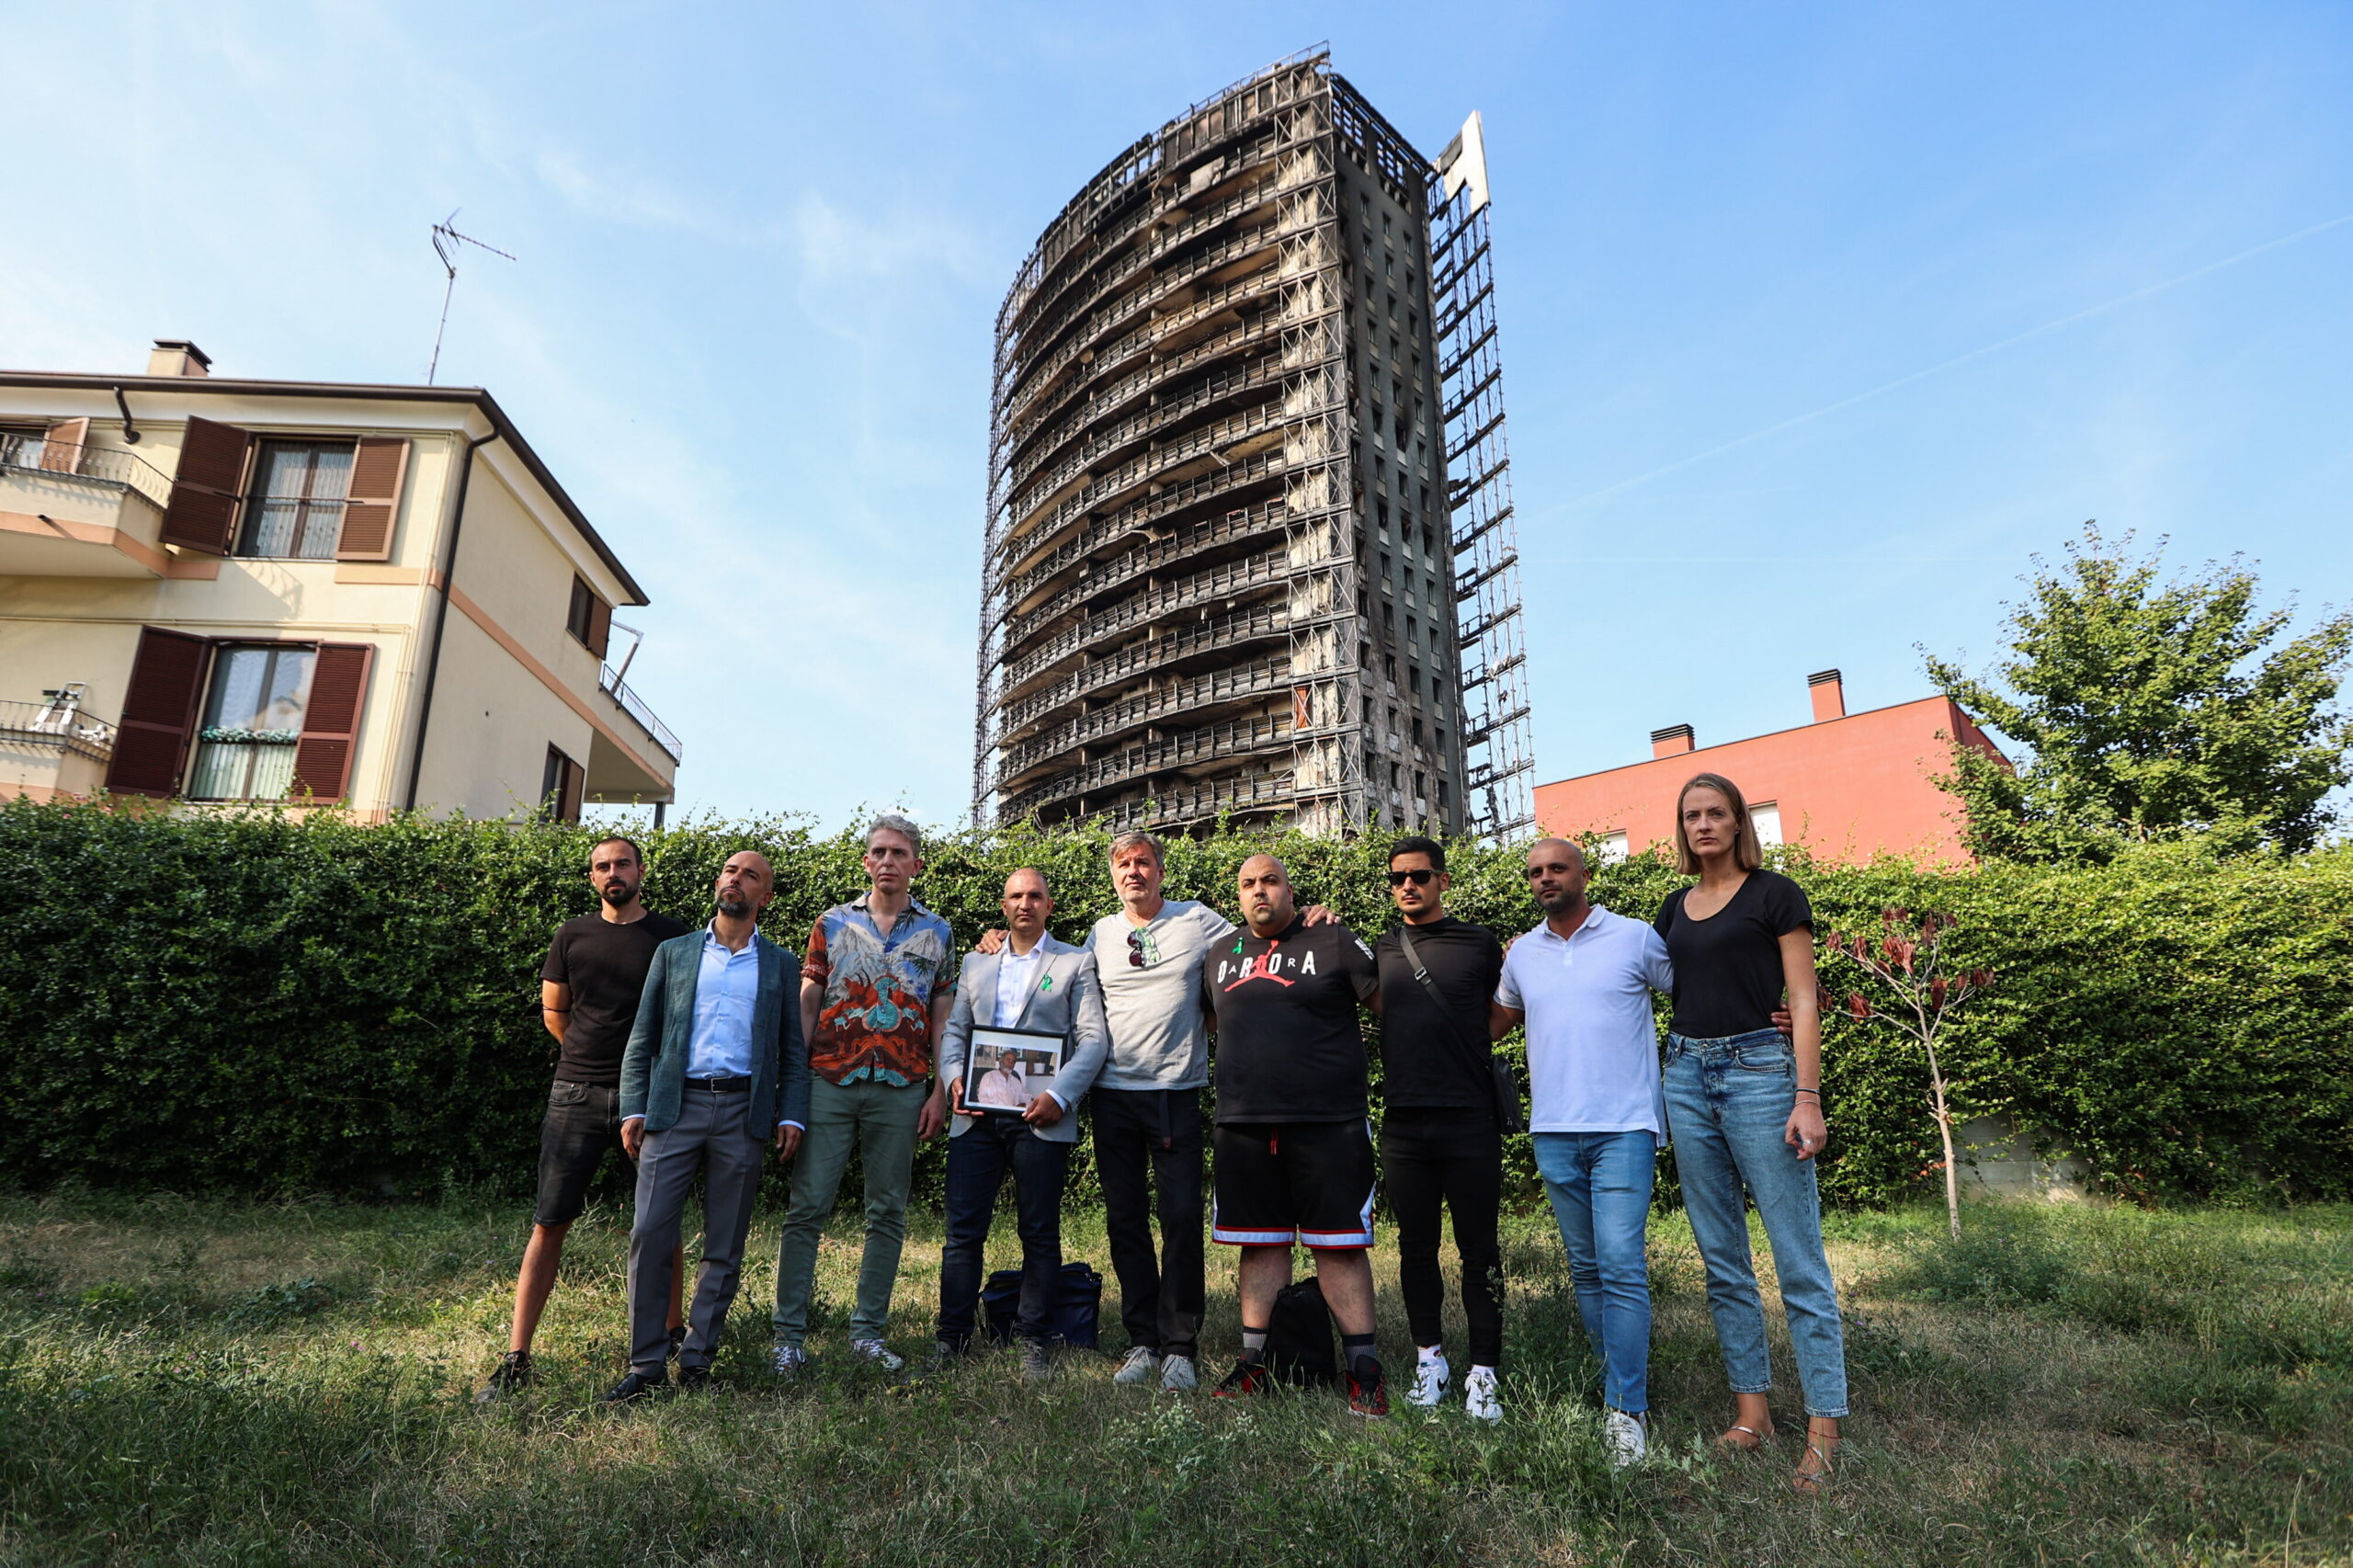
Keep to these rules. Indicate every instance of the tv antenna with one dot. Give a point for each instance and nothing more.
(445, 240)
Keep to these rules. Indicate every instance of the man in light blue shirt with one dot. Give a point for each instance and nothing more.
(1582, 981)
(715, 1067)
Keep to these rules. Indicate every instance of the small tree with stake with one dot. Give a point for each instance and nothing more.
(1909, 962)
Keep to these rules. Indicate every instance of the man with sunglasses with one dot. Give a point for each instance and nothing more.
(1442, 1131)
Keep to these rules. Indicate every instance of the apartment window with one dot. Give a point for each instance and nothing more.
(1766, 817)
(1396, 776)
(253, 722)
(1414, 679)
(1438, 738)
(295, 512)
(559, 786)
(1441, 795)
(1412, 627)
(1417, 732)
(590, 619)
(1613, 850)
(1368, 712)
(1421, 785)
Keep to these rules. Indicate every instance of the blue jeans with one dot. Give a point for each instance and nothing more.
(1728, 1102)
(1600, 1187)
(978, 1159)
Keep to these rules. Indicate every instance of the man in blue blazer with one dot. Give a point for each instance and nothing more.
(1037, 983)
(714, 1068)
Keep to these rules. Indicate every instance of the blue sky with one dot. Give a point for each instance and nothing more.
(1817, 320)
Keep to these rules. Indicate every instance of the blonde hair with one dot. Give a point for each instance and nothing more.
(1747, 849)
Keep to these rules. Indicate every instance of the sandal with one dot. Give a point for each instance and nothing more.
(1811, 1482)
(1728, 1444)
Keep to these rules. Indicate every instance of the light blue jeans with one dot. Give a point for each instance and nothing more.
(1600, 1187)
(1728, 1102)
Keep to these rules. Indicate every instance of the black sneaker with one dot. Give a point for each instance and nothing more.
(636, 1386)
(677, 1343)
(1249, 1376)
(1368, 1391)
(513, 1372)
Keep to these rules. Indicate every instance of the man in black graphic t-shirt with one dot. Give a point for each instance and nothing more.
(589, 989)
(1294, 1155)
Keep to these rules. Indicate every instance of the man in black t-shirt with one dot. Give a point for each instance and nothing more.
(1294, 1155)
(1442, 1130)
(589, 989)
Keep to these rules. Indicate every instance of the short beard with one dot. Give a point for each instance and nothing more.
(1562, 905)
(618, 894)
(734, 909)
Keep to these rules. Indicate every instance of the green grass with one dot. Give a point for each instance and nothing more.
(209, 1383)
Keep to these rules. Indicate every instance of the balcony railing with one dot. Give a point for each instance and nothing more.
(57, 460)
(609, 680)
(57, 724)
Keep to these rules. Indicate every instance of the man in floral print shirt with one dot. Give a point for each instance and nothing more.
(875, 990)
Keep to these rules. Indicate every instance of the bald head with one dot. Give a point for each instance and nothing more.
(1026, 903)
(1264, 886)
(745, 884)
(1557, 877)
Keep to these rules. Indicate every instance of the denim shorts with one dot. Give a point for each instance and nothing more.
(583, 1122)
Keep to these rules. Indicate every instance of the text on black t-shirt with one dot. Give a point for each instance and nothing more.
(1728, 967)
(1426, 1052)
(1289, 1046)
(605, 965)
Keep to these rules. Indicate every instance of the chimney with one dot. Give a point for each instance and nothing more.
(1673, 741)
(1829, 691)
(177, 357)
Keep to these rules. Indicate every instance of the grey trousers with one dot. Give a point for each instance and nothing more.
(709, 1138)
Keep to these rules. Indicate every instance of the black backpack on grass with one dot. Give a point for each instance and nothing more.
(1299, 1345)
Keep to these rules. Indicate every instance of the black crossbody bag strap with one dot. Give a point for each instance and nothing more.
(1502, 1092)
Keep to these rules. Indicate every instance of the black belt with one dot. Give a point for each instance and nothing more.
(719, 1085)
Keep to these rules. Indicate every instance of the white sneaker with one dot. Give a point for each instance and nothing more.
(1432, 1377)
(787, 1360)
(1142, 1365)
(1480, 1399)
(1622, 1434)
(877, 1352)
(1179, 1375)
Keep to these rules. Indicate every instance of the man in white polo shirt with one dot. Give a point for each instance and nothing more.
(1582, 981)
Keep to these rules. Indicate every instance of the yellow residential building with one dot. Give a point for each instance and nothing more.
(215, 590)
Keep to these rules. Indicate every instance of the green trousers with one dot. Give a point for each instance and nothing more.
(879, 1121)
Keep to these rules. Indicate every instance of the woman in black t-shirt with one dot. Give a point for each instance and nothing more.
(1744, 1108)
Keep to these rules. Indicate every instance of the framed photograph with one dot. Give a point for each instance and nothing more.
(1008, 1068)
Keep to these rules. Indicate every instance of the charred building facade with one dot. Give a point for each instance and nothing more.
(1249, 546)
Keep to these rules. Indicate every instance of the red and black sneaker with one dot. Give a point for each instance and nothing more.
(1249, 1376)
(1368, 1390)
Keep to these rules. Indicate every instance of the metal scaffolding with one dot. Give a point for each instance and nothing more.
(1500, 754)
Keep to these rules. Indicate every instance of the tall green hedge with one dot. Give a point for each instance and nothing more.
(253, 1002)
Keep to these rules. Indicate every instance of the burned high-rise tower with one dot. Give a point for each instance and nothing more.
(1249, 546)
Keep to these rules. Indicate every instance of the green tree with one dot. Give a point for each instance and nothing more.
(2151, 711)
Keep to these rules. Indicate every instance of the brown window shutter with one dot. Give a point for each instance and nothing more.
(600, 625)
(374, 500)
(63, 452)
(204, 510)
(331, 723)
(158, 713)
(574, 778)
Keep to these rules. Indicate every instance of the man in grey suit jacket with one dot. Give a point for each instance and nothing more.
(1034, 982)
(715, 1066)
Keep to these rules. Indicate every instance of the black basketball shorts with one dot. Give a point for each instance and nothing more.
(1310, 1182)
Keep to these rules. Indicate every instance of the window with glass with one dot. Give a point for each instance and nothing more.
(253, 722)
(296, 509)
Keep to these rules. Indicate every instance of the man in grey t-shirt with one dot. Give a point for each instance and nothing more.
(1147, 1108)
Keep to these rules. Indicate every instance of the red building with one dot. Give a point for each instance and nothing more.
(1847, 786)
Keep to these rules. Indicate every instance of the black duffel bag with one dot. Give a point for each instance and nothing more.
(1071, 1312)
